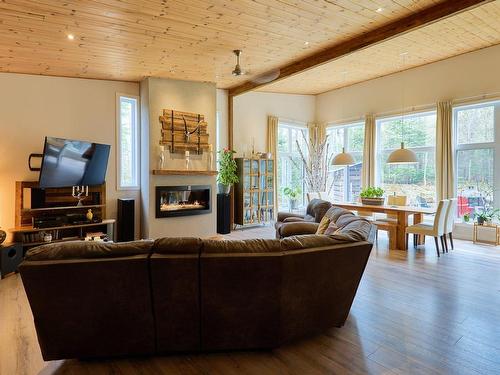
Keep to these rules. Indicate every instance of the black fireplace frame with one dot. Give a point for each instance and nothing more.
(166, 214)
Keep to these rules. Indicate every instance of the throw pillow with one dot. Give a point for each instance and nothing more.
(332, 227)
(323, 225)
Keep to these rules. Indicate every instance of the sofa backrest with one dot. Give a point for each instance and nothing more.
(84, 297)
(316, 209)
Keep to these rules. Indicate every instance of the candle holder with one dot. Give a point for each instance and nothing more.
(80, 193)
(187, 159)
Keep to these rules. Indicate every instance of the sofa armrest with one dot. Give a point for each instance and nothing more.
(297, 228)
(283, 215)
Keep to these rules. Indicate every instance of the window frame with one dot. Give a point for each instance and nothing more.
(493, 145)
(345, 145)
(418, 149)
(135, 141)
(301, 127)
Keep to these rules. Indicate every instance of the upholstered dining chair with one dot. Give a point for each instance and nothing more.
(392, 200)
(450, 220)
(436, 230)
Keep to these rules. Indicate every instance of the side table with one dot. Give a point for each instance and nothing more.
(11, 255)
(489, 226)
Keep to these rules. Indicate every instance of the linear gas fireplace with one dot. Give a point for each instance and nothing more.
(182, 200)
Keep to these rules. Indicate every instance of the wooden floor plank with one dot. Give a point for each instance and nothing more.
(414, 314)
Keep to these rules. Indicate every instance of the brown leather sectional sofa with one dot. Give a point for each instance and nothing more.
(187, 294)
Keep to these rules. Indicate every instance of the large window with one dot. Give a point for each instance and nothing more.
(477, 143)
(290, 167)
(416, 181)
(127, 142)
(346, 180)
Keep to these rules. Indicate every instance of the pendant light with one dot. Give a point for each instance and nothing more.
(402, 155)
(344, 158)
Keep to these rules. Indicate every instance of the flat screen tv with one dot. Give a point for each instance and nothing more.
(68, 163)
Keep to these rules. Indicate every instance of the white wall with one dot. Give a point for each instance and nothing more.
(250, 113)
(187, 96)
(460, 77)
(32, 107)
(222, 111)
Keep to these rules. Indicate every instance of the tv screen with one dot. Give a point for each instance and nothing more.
(73, 163)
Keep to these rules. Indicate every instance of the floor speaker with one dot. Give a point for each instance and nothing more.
(125, 223)
(223, 213)
(10, 258)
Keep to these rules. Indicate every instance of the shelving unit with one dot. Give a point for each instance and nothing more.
(33, 203)
(254, 194)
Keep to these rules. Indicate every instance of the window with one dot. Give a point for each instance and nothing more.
(127, 142)
(290, 167)
(477, 143)
(346, 180)
(416, 181)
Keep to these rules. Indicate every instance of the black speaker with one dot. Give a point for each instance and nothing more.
(223, 213)
(125, 226)
(10, 258)
(37, 198)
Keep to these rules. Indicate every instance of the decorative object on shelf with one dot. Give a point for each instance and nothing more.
(315, 165)
(89, 215)
(161, 157)
(343, 159)
(46, 236)
(266, 155)
(466, 218)
(186, 154)
(254, 194)
(372, 196)
(293, 195)
(210, 158)
(3, 236)
(80, 193)
(183, 131)
(487, 215)
(227, 171)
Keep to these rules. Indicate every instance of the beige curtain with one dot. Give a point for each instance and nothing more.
(369, 161)
(445, 184)
(317, 132)
(272, 147)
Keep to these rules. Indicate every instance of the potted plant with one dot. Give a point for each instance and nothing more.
(372, 196)
(293, 195)
(227, 171)
(466, 218)
(487, 215)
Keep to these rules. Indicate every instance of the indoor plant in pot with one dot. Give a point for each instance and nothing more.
(227, 171)
(487, 215)
(293, 195)
(372, 196)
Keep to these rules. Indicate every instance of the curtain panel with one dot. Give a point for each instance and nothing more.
(445, 173)
(369, 161)
(272, 147)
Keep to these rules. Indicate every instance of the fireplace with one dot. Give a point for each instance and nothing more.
(182, 200)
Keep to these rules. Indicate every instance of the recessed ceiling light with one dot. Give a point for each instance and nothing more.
(306, 43)
(380, 10)
(403, 53)
(71, 37)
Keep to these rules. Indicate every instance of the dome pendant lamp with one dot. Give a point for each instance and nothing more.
(343, 159)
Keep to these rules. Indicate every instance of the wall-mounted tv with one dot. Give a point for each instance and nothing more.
(69, 162)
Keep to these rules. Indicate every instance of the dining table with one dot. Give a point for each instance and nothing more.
(401, 216)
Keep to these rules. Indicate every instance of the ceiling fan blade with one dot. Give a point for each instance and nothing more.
(266, 77)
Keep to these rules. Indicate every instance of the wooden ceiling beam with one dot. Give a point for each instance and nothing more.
(393, 29)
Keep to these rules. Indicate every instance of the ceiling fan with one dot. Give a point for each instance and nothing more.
(261, 78)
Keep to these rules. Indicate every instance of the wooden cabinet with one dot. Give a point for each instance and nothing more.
(254, 194)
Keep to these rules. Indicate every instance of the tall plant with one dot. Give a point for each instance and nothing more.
(315, 163)
(227, 168)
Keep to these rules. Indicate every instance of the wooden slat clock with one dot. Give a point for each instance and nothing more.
(183, 131)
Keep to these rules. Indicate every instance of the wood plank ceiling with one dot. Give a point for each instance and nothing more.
(193, 39)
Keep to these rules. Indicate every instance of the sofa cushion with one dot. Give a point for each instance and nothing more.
(323, 225)
(335, 212)
(356, 230)
(309, 241)
(258, 245)
(88, 250)
(177, 245)
(316, 209)
(348, 218)
(292, 219)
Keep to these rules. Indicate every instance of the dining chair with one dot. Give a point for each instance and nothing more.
(436, 229)
(392, 200)
(450, 220)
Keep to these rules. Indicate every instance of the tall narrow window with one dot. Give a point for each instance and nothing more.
(477, 145)
(416, 181)
(290, 166)
(127, 141)
(346, 180)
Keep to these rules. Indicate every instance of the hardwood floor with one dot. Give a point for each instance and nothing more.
(413, 314)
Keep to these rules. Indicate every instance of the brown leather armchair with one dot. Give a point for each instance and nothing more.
(296, 224)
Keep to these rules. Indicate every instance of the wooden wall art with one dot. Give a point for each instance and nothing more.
(183, 131)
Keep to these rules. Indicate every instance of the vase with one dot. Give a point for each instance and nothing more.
(480, 220)
(292, 203)
(224, 189)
